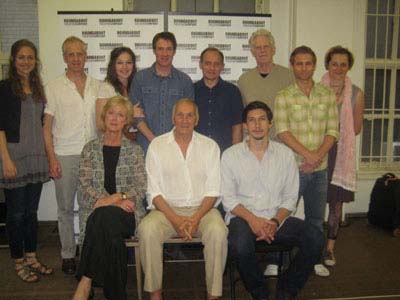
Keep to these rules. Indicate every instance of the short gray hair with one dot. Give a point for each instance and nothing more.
(262, 32)
(72, 40)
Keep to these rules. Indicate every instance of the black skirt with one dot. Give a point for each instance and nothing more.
(336, 193)
(104, 254)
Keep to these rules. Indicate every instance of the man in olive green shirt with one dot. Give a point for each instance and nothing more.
(306, 120)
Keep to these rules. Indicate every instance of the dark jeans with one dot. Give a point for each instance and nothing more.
(314, 188)
(294, 232)
(21, 220)
(104, 255)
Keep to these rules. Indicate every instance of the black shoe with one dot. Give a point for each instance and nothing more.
(68, 266)
(285, 295)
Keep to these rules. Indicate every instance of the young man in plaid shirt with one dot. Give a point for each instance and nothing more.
(306, 120)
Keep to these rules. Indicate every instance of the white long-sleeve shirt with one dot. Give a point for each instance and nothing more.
(263, 186)
(74, 117)
(182, 182)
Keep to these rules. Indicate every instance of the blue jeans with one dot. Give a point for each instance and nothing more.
(21, 220)
(313, 188)
(295, 232)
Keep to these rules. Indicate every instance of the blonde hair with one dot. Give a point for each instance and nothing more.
(117, 101)
(189, 101)
(71, 40)
(262, 32)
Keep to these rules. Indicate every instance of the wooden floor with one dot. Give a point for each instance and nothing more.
(368, 268)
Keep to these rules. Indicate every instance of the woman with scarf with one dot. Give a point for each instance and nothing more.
(342, 156)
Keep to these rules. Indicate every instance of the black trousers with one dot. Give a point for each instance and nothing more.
(104, 255)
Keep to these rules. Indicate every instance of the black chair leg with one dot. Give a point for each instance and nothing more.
(232, 281)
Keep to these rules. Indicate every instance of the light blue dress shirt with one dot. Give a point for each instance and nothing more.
(263, 186)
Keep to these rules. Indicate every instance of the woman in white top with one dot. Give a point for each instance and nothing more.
(120, 71)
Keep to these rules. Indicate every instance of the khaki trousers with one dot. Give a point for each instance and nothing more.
(155, 228)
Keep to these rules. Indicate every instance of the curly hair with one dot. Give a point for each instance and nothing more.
(339, 50)
(35, 81)
(111, 76)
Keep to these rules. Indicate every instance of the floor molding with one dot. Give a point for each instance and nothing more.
(362, 297)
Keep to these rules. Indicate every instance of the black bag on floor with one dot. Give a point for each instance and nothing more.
(384, 206)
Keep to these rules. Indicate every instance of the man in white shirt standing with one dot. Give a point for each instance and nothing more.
(259, 187)
(69, 123)
(183, 170)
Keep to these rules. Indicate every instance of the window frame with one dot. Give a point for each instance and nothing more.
(385, 161)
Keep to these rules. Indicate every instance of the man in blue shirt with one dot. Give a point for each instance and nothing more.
(157, 89)
(220, 102)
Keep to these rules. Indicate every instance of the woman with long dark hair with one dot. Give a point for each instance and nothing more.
(23, 161)
(120, 71)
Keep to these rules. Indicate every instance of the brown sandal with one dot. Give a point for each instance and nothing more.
(25, 274)
(36, 266)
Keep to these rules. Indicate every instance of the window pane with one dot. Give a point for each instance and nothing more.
(371, 27)
(369, 83)
(375, 135)
(385, 6)
(384, 38)
(234, 6)
(382, 90)
(371, 6)
(397, 100)
(396, 140)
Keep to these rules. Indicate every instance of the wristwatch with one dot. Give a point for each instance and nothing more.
(275, 220)
(123, 195)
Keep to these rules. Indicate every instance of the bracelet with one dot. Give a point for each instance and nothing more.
(275, 220)
(123, 195)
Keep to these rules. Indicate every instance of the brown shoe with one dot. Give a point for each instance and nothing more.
(68, 266)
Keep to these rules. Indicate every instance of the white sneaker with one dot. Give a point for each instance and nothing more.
(329, 258)
(321, 270)
(271, 270)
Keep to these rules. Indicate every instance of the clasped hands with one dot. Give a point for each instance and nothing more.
(311, 161)
(263, 228)
(185, 226)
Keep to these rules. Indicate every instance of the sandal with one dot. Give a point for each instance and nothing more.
(25, 274)
(36, 266)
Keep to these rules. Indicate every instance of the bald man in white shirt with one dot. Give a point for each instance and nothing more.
(183, 170)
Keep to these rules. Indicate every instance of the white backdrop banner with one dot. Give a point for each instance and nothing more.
(228, 33)
(105, 31)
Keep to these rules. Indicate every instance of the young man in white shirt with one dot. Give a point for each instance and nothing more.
(69, 123)
(259, 187)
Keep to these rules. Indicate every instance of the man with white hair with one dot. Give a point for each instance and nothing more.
(263, 82)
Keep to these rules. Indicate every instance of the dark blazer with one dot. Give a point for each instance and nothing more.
(10, 112)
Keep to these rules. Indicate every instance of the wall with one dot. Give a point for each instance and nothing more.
(49, 41)
(321, 24)
(316, 23)
(18, 20)
(48, 26)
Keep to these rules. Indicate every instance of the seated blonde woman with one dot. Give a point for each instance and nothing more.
(112, 181)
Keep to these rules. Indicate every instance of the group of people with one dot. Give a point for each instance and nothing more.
(254, 149)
